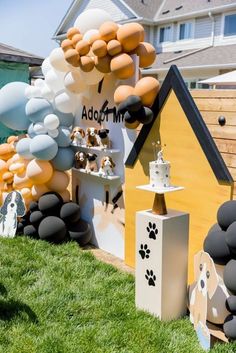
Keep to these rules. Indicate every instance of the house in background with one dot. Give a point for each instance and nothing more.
(199, 36)
(15, 65)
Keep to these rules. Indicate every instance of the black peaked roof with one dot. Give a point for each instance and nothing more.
(175, 81)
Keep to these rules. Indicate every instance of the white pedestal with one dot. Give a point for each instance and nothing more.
(162, 263)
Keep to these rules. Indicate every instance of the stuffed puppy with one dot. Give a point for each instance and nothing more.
(104, 139)
(77, 136)
(107, 166)
(92, 137)
(80, 160)
(91, 164)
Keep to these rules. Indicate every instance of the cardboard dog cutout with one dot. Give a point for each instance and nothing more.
(206, 284)
(12, 208)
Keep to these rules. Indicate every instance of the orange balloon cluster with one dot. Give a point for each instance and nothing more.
(109, 50)
(30, 177)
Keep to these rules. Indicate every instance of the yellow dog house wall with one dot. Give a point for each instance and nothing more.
(196, 164)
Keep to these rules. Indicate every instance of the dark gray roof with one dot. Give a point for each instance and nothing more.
(175, 8)
(8, 53)
(218, 56)
(146, 8)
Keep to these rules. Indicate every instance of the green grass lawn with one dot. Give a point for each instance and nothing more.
(59, 299)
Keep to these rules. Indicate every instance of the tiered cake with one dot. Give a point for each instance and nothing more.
(159, 172)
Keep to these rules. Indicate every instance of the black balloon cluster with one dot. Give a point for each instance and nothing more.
(220, 244)
(133, 110)
(55, 221)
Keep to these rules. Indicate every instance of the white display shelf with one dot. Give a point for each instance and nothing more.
(159, 190)
(96, 149)
(97, 175)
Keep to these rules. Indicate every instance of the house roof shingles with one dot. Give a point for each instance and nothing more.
(145, 9)
(8, 53)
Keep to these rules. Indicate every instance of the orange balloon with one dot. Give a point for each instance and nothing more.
(108, 30)
(122, 66)
(59, 181)
(21, 181)
(114, 47)
(146, 53)
(17, 167)
(72, 57)
(12, 138)
(94, 37)
(38, 190)
(6, 151)
(66, 44)
(82, 47)
(122, 92)
(99, 48)
(39, 172)
(65, 195)
(132, 125)
(76, 38)
(71, 32)
(147, 89)
(3, 167)
(86, 63)
(7, 177)
(103, 64)
(130, 35)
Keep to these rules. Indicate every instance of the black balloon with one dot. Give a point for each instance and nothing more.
(31, 231)
(33, 206)
(144, 115)
(133, 103)
(52, 229)
(226, 214)
(36, 217)
(130, 118)
(231, 304)
(20, 228)
(229, 327)
(230, 276)
(214, 227)
(50, 204)
(70, 212)
(230, 235)
(215, 245)
(81, 232)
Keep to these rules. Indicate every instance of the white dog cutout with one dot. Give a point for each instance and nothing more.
(12, 208)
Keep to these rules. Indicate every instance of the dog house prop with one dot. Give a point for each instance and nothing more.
(196, 164)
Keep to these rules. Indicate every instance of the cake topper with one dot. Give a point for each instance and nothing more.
(158, 151)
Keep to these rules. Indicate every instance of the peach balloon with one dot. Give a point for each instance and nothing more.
(146, 53)
(65, 195)
(26, 192)
(122, 66)
(59, 181)
(66, 44)
(114, 47)
(130, 35)
(122, 92)
(17, 167)
(3, 167)
(99, 48)
(82, 47)
(86, 63)
(6, 151)
(7, 177)
(21, 181)
(108, 30)
(133, 125)
(71, 32)
(76, 38)
(103, 64)
(38, 190)
(39, 172)
(94, 37)
(72, 57)
(12, 139)
(147, 89)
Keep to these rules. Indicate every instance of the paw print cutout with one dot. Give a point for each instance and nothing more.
(144, 251)
(150, 277)
(152, 230)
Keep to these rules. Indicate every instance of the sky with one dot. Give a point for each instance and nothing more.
(30, 24)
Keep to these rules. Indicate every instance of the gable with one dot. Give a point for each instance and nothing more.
(118, 10)
(174, 81)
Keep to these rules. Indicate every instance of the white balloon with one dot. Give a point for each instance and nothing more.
(87, 35)
(33, 92)
(39, 83)
(46, 66)
(66, 102)
(55, 80)
(53, 133)
(47, 93)
(74, 82)
(92, 77)
(91, 19)
(51, 121)
(39, 128)
(57, 60)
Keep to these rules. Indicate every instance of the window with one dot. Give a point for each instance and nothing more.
(165, 34)
(185, 30)
(230, 25)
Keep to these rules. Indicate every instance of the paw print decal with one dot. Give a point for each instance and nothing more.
(150, 277)
(144, 251)
(152, 230)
